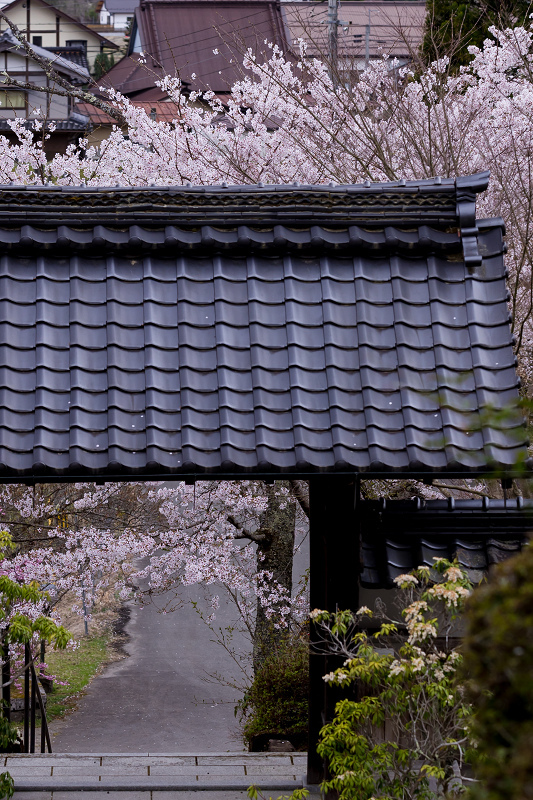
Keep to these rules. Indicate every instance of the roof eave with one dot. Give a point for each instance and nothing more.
(264, 475)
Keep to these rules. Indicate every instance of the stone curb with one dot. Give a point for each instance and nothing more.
(151, 786)
(230, 754)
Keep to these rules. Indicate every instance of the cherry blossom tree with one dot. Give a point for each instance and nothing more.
(236, 537)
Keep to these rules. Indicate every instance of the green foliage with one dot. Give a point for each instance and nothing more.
(73, 670)
(406, 731)
(254, 793)
(277, 702)
(102, 64)
(8, 735)
(20, 630)
(23, 627)
(453, 25)
(7, 785)
(498, 654)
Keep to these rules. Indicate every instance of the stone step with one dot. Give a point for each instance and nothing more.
(154, 776)
(197, 794)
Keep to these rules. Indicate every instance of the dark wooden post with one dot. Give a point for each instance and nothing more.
(6, 678)
(33, 709)
(27, 661)
(333, 583)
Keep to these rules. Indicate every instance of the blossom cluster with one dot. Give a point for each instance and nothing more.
(195, 538)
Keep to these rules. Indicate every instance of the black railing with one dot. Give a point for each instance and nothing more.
(32, 698)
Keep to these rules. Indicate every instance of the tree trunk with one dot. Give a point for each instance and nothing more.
(275, 552)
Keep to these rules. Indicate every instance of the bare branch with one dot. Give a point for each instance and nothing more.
(465, 489)
(301, 493)
(244, 533)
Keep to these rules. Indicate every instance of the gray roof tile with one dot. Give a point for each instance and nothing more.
(247, 329)
(479, 534)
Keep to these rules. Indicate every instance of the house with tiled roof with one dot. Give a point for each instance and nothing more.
(30, 104)
(366, 29)
(117, 13)
(50, 27)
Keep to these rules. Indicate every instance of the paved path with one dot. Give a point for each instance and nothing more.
(157, 776)
(157, 700)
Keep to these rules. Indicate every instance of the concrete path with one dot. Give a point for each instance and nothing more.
(156, 776)
(158, 700)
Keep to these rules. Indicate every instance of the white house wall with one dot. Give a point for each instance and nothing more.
(43, 23)
(53, 106)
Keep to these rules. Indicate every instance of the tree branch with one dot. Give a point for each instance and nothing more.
(244, 533)
(301, 493)
(464, 489)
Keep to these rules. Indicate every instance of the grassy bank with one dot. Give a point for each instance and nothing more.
(76, 668)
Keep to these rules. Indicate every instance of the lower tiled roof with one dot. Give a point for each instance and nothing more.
(398, 536)
(75, 123)
(159, 111)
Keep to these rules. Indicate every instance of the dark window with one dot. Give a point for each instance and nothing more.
(37, 41)
(10, 99)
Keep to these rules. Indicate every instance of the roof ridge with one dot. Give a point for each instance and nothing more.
(474, 183)
(443, 202)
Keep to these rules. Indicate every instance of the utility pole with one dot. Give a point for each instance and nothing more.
(333, 24)
(367, 42)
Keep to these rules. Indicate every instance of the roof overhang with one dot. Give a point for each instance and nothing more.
(254, 332)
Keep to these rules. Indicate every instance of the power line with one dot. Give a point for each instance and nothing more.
(196, 51)
(216, 35)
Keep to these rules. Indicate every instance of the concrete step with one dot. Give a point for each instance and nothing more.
(154, 776)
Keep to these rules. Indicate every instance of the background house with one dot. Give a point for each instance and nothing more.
(201, 41)
(99, 124)
(117, 13)
(366, 30)
(49, 27)
(31, 105)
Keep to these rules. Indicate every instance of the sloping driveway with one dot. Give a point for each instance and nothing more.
(157, 700)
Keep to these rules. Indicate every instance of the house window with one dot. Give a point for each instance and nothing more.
(12, 99)
(37, 41)
(77, 43)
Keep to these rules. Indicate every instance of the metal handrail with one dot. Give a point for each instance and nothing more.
(45, 733)
(31, 689)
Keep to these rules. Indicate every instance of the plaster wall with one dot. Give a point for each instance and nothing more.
(53, 106)
(43, 23)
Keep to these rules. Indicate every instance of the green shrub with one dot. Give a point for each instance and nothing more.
(498, 659)
(102, 64)
(404, 736)
(277, 702)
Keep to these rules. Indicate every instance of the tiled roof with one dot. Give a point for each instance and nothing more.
(164, 112)
(201, 41)
(75, 123)
(130, 77)
(398, 536)
(76, 73)
(74, 53)
(121, 6)
(245, 330)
